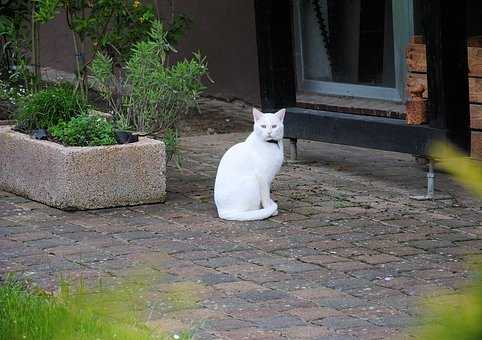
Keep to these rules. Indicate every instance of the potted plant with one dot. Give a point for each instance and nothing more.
(78, 164)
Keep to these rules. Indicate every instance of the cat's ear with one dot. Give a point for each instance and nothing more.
(281, 114)
(257, 114)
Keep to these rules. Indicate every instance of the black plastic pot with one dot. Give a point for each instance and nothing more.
(125, 137)
(40, 134)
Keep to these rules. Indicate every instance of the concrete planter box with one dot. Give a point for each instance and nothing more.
(78, 178)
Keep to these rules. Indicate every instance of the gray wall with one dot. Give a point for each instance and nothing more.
(222, 30)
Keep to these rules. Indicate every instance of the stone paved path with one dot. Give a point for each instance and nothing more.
(347, 258)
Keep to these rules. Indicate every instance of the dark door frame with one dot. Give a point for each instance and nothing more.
(447, 81)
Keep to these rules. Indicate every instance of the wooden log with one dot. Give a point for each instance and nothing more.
(417, 62)
(476, 145)
(475, 86)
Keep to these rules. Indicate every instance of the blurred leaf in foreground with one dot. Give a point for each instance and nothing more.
(456, 316)
(466, 171)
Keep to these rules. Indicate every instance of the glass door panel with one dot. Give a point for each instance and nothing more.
(352, 47)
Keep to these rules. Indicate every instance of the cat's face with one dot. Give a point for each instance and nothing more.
(269, 126)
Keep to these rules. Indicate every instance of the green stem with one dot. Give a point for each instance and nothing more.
(35, 51)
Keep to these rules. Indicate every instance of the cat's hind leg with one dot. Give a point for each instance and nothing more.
(264, 190)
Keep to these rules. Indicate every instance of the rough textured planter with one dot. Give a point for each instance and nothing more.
(77, 178)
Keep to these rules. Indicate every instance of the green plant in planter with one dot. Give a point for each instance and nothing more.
(84, 130)
(150, 94)
(48, 107)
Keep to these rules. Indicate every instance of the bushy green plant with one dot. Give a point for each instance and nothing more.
(48, 107)
(150, 94)
(15, 40)
(84, 130)
(112, 27)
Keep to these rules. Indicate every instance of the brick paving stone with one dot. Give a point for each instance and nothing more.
(341, 322)
(314, 313)
(323, 259)
(292, 284)
(402, 251)
(430, 244)
(378, 259)
(240, 269)
(228, 305)
(305, 332)
(30, 236)
(257, 311)
(347, 266)
(398, 282)
(342, 302)
(228, 324)
(215, 278)
(317, 293)
(265, 295)
(295, 267)
(354, 251)
(346, 282)
(393, 321)
(197, 255)
(238, 287)
(349, 254)
(250, 333)
(134, 235)
(280, 322)
(48, 242)
(265, 276)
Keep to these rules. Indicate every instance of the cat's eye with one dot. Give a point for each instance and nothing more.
(274, 126)
(263, 126)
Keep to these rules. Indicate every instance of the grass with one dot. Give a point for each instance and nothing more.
(75, 313)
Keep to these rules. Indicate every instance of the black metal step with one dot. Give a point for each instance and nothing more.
(363, 131)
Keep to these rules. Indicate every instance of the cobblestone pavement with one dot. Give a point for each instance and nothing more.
(348, 257)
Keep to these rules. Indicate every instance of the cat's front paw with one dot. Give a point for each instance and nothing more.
(275, 213)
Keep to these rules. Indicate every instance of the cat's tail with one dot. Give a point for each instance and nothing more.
(252, 215)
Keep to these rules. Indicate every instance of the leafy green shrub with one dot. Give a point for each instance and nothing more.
(15, 33)
(84, 130)
(111, 27)
(150, 94)
(49, 107)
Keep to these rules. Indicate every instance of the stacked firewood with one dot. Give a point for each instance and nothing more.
(417, 87)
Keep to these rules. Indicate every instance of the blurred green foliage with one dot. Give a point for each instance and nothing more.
(112, 309)
(457, 316)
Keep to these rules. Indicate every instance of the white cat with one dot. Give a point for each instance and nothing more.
(245, 173)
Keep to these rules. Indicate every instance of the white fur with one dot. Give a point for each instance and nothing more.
(245, 173)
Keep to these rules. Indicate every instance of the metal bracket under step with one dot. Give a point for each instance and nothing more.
(430, 196)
